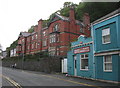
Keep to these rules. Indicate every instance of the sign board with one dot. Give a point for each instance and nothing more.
(82, 50)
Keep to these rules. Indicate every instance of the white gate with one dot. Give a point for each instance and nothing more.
(64, 65)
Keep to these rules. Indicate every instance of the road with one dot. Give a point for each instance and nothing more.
(16, 78)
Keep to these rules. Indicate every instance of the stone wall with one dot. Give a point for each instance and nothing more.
(48, 65)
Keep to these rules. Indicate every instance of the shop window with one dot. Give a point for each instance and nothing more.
(107, 63)
(84, 62)
(106, 36)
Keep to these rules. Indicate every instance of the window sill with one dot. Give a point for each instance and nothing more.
(107, 70)
(106, 43)
(84, 69)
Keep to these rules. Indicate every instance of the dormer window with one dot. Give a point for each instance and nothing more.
(81, 29)
(56, 27)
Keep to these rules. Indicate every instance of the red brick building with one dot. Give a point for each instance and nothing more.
(55, 38)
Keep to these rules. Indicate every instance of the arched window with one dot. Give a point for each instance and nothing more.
(56, 27)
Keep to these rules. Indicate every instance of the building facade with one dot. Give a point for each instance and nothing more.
(106, 31)
(80, 58)
(98, 57)
(55, 38)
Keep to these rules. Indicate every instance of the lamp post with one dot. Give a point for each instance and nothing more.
(22, 55)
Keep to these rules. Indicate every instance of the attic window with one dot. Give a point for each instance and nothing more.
(81, 29)
(56, 27)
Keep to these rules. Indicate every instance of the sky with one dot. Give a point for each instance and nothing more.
(20, 15)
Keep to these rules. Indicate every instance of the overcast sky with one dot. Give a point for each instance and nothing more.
(20, 15)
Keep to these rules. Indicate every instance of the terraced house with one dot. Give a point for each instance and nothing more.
(55, 38)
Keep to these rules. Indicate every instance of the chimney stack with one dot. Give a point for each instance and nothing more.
(40, 22)
(72, 13)
(86, 19)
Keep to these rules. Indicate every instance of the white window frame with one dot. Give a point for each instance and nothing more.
(36, 45)
(52, 38)
(105, 35)
(107, 63)
(22, 40)
(33, 46)
(45, 43)
(36, 36)
(28, 47)
(84, 59)
(32, 37)
(56, 27)
(44, 33)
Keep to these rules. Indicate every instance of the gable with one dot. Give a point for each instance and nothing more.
(82, 40)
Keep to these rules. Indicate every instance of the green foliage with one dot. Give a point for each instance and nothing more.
(45, 23)
(31, 29)
(95, 9)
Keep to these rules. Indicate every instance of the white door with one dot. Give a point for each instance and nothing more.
(75, 65)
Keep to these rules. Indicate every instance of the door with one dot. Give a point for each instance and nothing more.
(75, 65)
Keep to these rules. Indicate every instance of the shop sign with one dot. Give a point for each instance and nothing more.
(82, 50)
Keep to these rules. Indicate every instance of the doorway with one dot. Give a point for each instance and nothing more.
(75, 65)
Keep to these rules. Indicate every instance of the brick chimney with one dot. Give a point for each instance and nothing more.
(40, 22)
(72, 13)
(86, 22)
(86, 19)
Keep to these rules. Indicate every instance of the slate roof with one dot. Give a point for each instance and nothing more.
(62, 17)
(24, 34)
(68, 19)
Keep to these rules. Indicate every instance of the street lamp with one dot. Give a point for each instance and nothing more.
(22, 55)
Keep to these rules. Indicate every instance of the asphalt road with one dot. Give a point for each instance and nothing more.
(16, 78)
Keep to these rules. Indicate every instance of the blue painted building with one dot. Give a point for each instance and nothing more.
(106, 32)
(80, 58)
(98, 56)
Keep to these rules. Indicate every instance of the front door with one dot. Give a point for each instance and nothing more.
(75, 65)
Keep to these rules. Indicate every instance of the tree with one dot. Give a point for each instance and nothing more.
(31, 29)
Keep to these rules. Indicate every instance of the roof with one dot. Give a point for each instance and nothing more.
(107, 16)
(62, 17)
(65, 19)
(24, 34)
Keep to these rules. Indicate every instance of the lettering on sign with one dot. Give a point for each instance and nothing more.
(82, 50)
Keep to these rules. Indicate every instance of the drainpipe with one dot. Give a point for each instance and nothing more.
(92, 34)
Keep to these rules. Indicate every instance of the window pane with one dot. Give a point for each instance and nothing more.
(108, 59)
(82, 56)
(108, 66)
(84, 64)
(106, 39)
(105, 32)
(84, 61)
(86, 55)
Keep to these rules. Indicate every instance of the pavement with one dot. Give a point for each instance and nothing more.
(30, 79)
